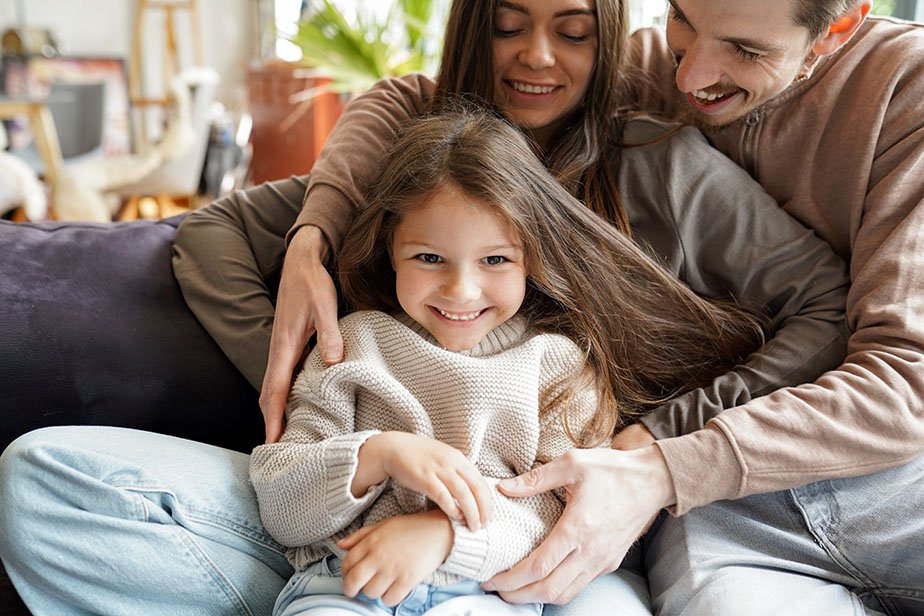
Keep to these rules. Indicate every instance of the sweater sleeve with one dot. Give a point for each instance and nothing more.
(520, 524)
(356, 152)
(223, 256)
(303, 482)
(868, 415)
(735, 241)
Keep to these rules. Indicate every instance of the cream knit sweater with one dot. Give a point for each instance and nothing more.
(484, 402)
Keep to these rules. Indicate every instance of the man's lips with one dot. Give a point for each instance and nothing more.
(712, 102)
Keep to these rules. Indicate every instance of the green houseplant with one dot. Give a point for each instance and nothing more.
(350, 55)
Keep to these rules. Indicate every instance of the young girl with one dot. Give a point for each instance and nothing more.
(502, 323)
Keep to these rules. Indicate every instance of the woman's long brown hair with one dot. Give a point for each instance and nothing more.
(646, 335)
(584, 154)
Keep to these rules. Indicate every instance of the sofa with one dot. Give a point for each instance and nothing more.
(94, 330)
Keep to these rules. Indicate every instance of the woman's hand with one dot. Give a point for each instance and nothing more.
(438, 471)
(613, 497)
(306, 303)
(388, 559)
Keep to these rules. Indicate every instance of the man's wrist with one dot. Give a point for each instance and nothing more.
(659, 474)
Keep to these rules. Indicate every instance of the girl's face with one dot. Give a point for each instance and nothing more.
(544, 55)
(459, 268)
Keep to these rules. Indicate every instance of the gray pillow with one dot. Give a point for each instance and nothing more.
(94, 330)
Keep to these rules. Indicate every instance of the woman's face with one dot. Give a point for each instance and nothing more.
(544, 54)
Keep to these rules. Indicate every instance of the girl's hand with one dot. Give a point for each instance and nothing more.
(306, 303)
(440, 472)
(613, 497)
(388, 559)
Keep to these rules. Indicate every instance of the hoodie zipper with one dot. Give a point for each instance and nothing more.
(747, 149)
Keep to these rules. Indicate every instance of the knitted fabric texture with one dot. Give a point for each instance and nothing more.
(485, 402)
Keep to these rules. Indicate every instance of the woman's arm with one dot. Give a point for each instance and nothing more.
(352, 158)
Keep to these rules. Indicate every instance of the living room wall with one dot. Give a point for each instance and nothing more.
(105, 28)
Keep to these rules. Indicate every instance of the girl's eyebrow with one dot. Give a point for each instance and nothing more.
(513, 6)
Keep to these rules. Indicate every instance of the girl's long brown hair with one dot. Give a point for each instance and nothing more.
(646, 335)
(584, 154)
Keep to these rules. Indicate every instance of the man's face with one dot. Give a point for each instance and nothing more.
(734, 55)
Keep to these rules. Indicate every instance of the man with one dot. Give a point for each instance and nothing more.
(823, 106)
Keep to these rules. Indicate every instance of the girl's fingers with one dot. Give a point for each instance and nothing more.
(354, 538)
(482, 493)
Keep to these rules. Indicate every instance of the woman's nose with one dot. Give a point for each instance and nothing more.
(537, 53)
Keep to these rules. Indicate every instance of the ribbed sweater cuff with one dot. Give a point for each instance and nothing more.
(342, 460)
(468, 554)
(705, 467)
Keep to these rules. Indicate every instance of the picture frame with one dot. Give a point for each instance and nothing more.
(30, 77)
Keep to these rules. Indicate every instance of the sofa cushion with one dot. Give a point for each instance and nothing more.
(94, 330)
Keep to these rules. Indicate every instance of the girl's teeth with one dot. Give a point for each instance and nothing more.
(459, 317)
(531, 89)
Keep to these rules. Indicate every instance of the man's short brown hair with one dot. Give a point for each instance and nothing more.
(818, 15)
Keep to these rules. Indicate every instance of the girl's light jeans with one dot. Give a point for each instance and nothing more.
(97, 520)
(319, 590)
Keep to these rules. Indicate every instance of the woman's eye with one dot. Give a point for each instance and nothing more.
(573, 38)
(673, 15)
(495, 260)
(428, 257)
(505, 32)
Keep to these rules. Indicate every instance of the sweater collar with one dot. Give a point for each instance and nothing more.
(501, 338)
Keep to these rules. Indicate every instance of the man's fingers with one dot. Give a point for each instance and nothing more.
(541, 479)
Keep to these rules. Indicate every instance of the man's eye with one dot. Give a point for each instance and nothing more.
(747, 54)
(495, 260)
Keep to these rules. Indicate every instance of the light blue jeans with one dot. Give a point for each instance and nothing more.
(319, 590)
(98, 520)
(114, 521)
(843, 547)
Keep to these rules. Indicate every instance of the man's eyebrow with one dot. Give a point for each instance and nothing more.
(748, 43)
(513, 6)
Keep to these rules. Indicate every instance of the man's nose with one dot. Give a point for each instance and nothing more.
(698, 68)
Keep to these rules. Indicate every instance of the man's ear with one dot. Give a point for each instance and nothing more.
(842, 29)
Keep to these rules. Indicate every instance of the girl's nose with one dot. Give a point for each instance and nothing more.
(461, 286)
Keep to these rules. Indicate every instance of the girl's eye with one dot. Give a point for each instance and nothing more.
(495, 260)
(428, 257)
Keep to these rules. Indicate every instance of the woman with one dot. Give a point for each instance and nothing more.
(707, 221)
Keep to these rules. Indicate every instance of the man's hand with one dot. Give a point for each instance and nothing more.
(306, 303)
(613, 497)
(388, 559)
(635, 436)
(439, 471)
